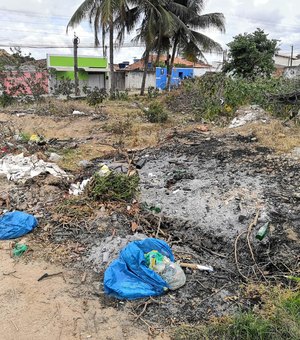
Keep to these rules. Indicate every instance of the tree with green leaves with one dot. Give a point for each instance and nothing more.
(251, 55)
(102, 15)
(157, 22)
(188, 38)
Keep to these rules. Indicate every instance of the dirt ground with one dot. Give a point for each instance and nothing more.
(55, 308)
(209, 185)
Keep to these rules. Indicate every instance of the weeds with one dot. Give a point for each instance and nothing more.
(278, 319)
(6, 99)
(119, 95)
(216, 95)
(96, 96)
(153, 92)
(113, 187)
(156, 113)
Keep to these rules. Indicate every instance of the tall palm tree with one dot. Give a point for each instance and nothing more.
(101, 14)
(187, 39)
(157, 24)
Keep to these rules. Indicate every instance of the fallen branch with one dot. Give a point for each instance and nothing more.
(46, 275)
(251, 225)
(236, 255)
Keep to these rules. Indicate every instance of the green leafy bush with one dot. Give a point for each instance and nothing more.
(118, 95)
(216, 95)
(153, 92)
(156, 113)
(96, 96)
(6, 99)
(113, 187)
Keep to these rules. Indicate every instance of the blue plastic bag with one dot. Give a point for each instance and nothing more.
(16, 224)
(128, 277)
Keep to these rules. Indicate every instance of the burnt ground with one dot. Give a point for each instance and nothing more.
(209, 190)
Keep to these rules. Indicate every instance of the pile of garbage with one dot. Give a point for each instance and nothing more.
(18, 167)
(144, 268)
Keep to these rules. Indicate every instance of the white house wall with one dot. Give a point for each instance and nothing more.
(198, 72)
(133, 80)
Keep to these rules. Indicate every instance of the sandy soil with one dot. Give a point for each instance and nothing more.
(53, 308)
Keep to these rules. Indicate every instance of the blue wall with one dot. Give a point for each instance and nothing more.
(178, 74)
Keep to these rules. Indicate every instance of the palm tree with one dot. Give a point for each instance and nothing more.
(157, 23)
(187, 39)
(101, 14)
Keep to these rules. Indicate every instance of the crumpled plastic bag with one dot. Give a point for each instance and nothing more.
(16, 224)
(128, 277)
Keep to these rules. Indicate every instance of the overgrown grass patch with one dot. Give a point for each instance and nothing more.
(277, 318)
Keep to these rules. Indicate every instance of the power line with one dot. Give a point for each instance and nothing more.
(125, 45)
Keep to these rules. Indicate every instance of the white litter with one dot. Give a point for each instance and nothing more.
(17, 167)
(77, 189)
(249, 114)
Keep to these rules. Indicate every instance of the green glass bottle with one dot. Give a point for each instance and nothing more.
(262, 232)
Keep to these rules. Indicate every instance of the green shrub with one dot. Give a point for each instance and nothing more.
(6, 99)
(216, 95)
(156, 113)
(153, 92)
(113, 187)
(118, 95)
(95, 96)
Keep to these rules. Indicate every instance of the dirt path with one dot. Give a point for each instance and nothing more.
(51, 309)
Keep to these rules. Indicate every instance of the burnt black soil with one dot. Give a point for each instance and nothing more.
(209, 190)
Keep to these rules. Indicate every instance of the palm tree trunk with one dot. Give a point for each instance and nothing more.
(111, 56)
(146, 62)
(158, 57)
(172, 64)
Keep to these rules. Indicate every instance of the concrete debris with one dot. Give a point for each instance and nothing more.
(17, 167)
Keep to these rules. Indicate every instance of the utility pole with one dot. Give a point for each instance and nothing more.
(292, 54)
(75, 44)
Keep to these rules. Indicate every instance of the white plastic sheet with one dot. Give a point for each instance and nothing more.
(17, 167)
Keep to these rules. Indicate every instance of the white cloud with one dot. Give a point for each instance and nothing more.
(41, 22)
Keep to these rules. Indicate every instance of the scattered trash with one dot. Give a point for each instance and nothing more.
(196, 266)
(35, 138)
(16, 224)
(140, 163)
(78, 188)
(170, 271)
(128, 277)
(17, 167)
(78, 113)
(19, 249)
(262, 232)
(248, 115)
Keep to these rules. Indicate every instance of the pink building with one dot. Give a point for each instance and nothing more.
(25, 82)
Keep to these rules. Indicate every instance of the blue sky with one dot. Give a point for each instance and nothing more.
(43, 23)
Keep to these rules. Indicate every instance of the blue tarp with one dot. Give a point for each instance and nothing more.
(16, 224)
(128, 277)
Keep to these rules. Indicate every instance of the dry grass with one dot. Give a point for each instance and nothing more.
(274, 135)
